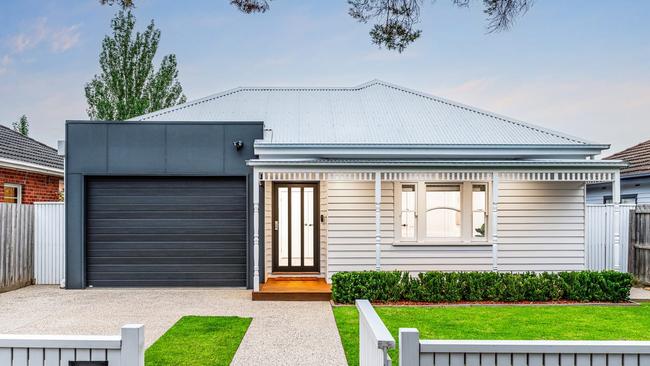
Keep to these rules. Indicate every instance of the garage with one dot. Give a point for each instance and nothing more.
(166, 231)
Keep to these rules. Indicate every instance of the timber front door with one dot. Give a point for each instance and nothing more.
(295, 227)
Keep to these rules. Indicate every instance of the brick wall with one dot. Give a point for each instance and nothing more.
(36, 187)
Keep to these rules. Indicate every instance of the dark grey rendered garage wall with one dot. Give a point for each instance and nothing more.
(95, 148)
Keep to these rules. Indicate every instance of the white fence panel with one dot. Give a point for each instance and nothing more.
(126, 349)
(416, 352)
(374, 337)
(599, 236)
(49, 250)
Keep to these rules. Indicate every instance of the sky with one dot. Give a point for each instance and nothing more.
(581, 67)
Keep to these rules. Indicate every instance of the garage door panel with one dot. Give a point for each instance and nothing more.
(167, 215)
(172, 268)
(166, 231)
(172, 201)
(161, 223)
(205, 229)
(212, 245)
(156, 255)
(166, 275)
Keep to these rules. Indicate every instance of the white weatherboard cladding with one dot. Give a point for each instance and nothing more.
(541, 228)
(372, 113)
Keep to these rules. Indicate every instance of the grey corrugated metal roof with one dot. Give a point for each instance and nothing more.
(15, 146)
(372, 113)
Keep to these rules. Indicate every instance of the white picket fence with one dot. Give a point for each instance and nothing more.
(49, 243)
(416, 352)
(374, 338)
(599, 236)
(126, 349)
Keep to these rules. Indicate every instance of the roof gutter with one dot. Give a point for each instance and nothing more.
(30, 167)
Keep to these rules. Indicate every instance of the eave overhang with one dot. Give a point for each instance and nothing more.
(30, 167)
(429, 151)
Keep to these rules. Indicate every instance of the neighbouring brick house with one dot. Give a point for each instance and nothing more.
(30, 171)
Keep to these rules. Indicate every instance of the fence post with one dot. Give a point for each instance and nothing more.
(132, 353)
(409, 347)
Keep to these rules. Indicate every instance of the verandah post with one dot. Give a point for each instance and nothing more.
(616, 199)
(493, 220)
(256, 231)
(378, 221)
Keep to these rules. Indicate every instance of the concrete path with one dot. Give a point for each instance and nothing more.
(639, 294)
(281, 333)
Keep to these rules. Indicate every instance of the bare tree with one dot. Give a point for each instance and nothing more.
(395, 21)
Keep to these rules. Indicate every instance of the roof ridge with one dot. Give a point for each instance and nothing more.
(30, 138)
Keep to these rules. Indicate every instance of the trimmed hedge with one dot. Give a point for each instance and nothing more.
(584, 286)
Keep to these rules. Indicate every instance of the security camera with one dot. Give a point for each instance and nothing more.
(238, 144)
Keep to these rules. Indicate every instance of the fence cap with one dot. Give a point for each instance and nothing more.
(643, 209)
(384, 338)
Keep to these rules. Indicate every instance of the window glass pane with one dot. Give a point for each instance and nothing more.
(408, 211)
(10, 194)
(479, 210)
(283, 226)
(443, 211)
(308, 218)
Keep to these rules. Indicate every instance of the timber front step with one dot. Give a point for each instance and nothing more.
(294, 289)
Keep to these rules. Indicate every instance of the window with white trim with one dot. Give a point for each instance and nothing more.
(12, 193)
(431, 213)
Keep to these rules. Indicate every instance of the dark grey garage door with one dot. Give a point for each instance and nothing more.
(166, 231)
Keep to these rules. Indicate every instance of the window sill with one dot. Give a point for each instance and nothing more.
(443, 243)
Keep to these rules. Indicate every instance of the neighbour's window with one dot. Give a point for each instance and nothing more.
(12, 193)
(409, 214)
(441, 212)
(626, 199)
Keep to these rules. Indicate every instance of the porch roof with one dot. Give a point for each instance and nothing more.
(377, 164)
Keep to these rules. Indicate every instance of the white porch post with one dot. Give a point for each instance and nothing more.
(616, 199)
(378, 221)
(493, 220)
(256, 230)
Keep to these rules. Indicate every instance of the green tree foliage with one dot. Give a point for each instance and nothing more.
(394, 21)
(128, 84)
(22, 125)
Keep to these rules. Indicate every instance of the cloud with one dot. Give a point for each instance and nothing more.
(4, 63)
(65, 39)
(59, 39)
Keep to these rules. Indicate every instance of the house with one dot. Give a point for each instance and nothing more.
(30, 171)
(635, 179)
(258, 183)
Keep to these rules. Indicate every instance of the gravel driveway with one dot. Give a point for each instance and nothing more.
(282, 333)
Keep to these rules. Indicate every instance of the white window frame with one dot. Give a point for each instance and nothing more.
(19, 191)
(467, 224)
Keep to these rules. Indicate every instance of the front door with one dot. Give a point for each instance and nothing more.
(295, 227)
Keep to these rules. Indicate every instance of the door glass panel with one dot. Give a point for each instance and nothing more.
(296, 226)
(283, 226)
(479, 210)
(308, 217)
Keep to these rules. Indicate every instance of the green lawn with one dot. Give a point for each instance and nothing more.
(198, 341)
(511, 322)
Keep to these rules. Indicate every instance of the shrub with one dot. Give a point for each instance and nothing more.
(377, 286)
